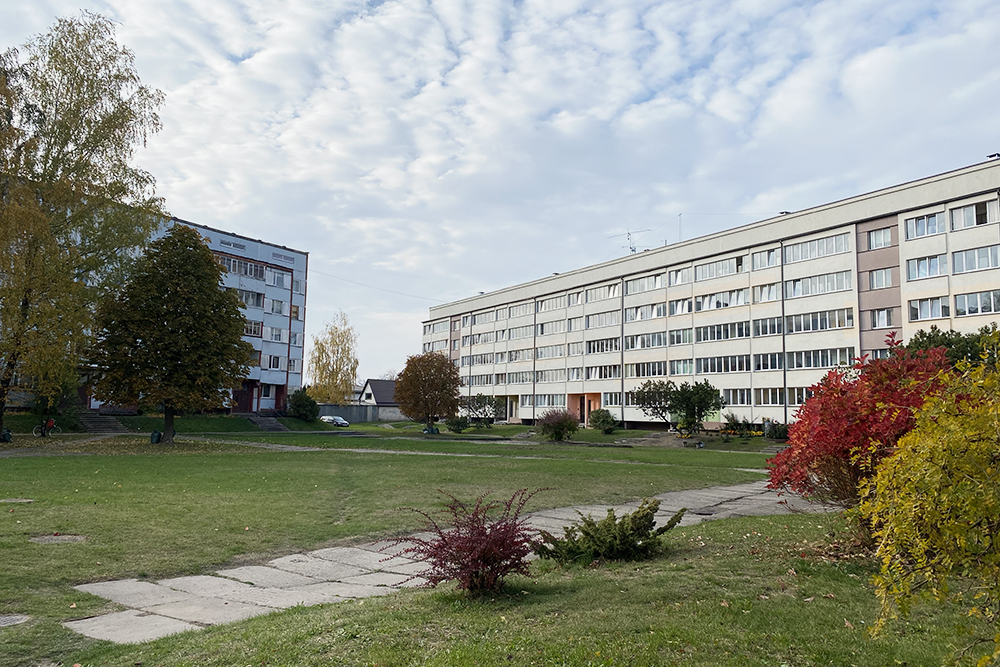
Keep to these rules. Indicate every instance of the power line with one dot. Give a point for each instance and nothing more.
(379, 289)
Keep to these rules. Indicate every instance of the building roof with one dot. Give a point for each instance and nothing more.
(383, 391)
(234, 235)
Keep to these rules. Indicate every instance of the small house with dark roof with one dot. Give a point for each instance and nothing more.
(382, 394)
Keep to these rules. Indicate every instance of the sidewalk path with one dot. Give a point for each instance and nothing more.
(168, 606)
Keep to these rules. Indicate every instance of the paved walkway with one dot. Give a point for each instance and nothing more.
(333, 575)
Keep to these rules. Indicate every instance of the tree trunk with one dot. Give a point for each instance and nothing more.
(168, 425)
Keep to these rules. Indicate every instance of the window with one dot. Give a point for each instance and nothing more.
(275, 335)
(729, 364)
(521, 377)
(977, 303)
(820, 320)
(251, 299)
(574, 374)
(982, 213)
(293, 365)
(880, 238)
(455, 344)
(574, 299)
(829, 245)
(926, 267)
(550, 400)
(680, 306)
(680, 336)
(253, 329)
(610, 318)
(603, 345)
(500, 378)
(295, 338)
(879, 354)
(297, 286)
(679, 276)
(436, 346)
(925, 225)
(551, 375)
(762, 293)
(611, 399)
(768, 326)
(927, 309)
(265, 391)
(820, 358)
(682, 367)
(601, 293)
(294, 312)
(881, 318)
(609, 372)
(767, 362)
(520, 309)
(721, 300)
(976, 259)
(574, 349)
(274, 362)
(879, 278)
(723, 267)
(520, 332)
(520, 355)
(798, 395)
(243, 268)
(277, 307)
(437, 327)
(548, 328)
(644, 284)
(550, 352)
(479, 380)
(828, 282)
(769, 396)
(644, 341)
(640, 313)
(481, 318)
(764, 259)
(736, 396)
(553, 303)
(574, 324)
(646, 369)
(723, 331)
(477, 359)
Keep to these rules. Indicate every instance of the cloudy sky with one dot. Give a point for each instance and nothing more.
(426, 150)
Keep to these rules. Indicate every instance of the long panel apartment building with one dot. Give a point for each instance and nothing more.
(761, 311)
(271, 281)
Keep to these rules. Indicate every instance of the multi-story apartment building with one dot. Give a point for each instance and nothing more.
(271, 281)
(762, 311)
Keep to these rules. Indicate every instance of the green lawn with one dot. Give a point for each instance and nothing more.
(191, 424)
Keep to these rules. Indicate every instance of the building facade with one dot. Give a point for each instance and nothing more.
(271, 281)
(761, 311)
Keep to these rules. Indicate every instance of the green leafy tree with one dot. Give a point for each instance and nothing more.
(694, 402)
(333, 361)
(171, 337)
(73, 210)
(602, 420)
(428, 387)
(653, 397)
(970, 347)
(302, 406)
(482, 409)
(935, 505)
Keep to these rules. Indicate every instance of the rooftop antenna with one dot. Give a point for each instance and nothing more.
(631, 243)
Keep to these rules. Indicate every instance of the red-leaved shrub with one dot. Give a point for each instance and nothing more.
(852, 422)
(480, 545)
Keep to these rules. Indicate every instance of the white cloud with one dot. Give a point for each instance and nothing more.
(441, 148)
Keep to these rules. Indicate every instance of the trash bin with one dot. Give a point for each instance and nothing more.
(154, 437)
(6, 436)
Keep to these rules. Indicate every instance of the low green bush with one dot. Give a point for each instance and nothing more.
(603, 420)
(457, 424)
(630, 537)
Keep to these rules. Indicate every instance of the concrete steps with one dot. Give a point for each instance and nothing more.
(266, 423)
(93, 422)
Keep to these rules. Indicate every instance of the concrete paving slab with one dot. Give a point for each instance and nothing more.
(227, 589)
(378, 579)
(386, 547)
(129, 627)
(345, 591)
(363, 558)
(410, 568)
(134, 593)
(12, 619)
(270, 577)
(209, 611)
(554, 526)
(317, 568)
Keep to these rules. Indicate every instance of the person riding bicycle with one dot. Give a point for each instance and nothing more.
(48, 426)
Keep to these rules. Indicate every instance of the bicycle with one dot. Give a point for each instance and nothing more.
(48, 428)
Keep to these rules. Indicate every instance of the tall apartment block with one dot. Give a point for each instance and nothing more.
(271, 282)
(762, 311)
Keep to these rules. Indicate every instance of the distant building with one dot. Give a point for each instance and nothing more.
(379, 392)
(761, 311)
(271, 281)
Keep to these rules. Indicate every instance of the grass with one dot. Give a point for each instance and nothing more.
(19, 422)
(736, 593)
(296, 424)
(191, 424)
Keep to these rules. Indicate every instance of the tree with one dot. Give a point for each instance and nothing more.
(302, 406)
(390, 374)
(852, 422)
(428, 387)
(603, 420)
(557, 424)
(688, 403)
(653, 398)
(958, 346)
(935, 504)
(171, 337)
(74, 212)
(694, 402)
(333, 361)
(482, 409)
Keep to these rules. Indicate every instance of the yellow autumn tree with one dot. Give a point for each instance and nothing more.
(333, 361)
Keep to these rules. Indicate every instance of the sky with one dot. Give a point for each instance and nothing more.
(423, 151)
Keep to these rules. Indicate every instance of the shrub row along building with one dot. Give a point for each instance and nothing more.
(762, 311)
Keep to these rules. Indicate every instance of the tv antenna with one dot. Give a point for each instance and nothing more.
(631, 242)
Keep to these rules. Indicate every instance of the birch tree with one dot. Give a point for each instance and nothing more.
(333, 361)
